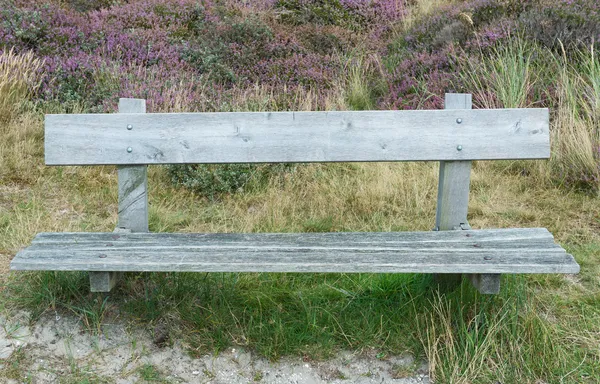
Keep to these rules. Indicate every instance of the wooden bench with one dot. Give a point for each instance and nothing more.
(455, 136)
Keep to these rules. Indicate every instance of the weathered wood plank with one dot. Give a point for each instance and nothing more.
(454, 179)
(133, 180)
(133, 199)
(255, 137)
(247, 241)
(255, 243)
(453, 188)
(213, 253)
(294, 261)
(520, 235)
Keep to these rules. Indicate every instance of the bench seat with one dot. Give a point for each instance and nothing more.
(490, 251)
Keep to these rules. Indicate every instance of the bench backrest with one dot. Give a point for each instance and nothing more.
(132, 139)
(263, 137)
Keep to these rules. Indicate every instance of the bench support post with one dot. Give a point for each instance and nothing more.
(486, 283)
(453, 203)
(133, 198)
(103, 281)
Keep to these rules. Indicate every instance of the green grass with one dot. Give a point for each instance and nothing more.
(536, 329)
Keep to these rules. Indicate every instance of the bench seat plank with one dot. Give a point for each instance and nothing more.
(530, 250)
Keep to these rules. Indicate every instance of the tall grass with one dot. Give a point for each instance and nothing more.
(517, 74)
(363, 76)
(576, 124)
(418, 9)
(504, 77)
(18, 79)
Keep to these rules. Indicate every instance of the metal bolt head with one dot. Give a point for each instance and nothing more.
(459, 147)
(129, 127)
(459, 120)
(129, 149)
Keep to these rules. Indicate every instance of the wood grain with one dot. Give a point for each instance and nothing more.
(481, 251)
(453, 189)
(133, 181)
(256, 137)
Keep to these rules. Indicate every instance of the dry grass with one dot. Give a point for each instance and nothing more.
(261, 98)
(509, 76)
(18, 79)
(576, 128)
(420, 8)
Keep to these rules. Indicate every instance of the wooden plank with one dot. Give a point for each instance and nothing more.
(214, 253)
(467, 240)
(133, 180)
(453, 188)
(453, 195)
(297, 260)
(454, 179)
(133, 199)
(256, 137)
(520, 235)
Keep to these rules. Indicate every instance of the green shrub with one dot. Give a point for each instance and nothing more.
(29, 27)
(214, 180)
(226, 52)
(320, 12)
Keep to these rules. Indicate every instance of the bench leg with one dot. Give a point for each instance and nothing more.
(104, 281)
(486, 283)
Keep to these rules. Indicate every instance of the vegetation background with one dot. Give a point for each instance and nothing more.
(75, 56)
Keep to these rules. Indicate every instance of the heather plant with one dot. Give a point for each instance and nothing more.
(353, 14)
(574, 23)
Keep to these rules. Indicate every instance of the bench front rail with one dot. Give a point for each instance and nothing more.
(455, 136)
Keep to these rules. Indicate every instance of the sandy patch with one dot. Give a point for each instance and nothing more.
(56, 348)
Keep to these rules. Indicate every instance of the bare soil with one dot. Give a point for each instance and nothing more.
(60, 349)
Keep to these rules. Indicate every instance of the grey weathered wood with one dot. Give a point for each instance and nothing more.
(255, 137)
(480, 251)
(520, 235)
(487, 284)
(476, 240)
(471, 252)
(133, 180)
(133, 198)
(453, 187)
(104, 281)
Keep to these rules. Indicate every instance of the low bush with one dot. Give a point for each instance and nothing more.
(214, 180)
